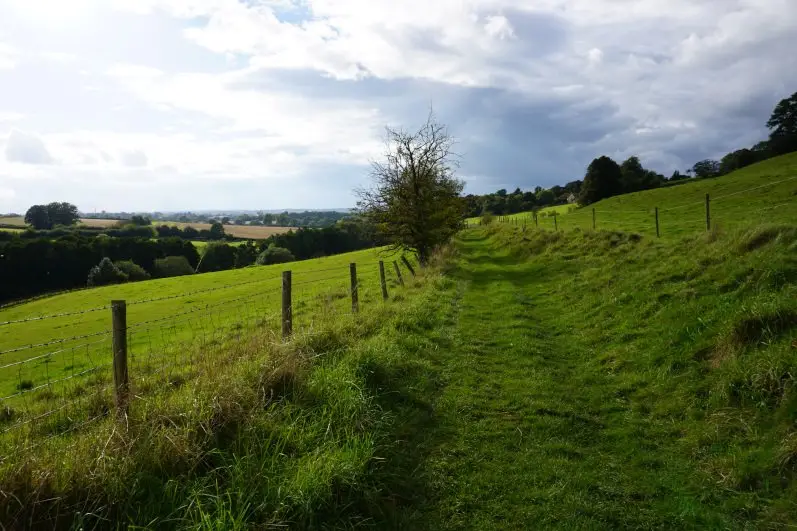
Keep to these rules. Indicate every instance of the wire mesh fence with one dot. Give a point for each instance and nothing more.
(53, 387)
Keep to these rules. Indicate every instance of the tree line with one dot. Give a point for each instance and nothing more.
(45, 264)
(308, 218)
(33, 267)
(606, 178)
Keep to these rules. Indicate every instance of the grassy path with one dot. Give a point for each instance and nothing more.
(528, 433)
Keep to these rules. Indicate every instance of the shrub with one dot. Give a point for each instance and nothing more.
(172, 266)
(487, 218)
(105, 273)
(133, 271)
(275, 255)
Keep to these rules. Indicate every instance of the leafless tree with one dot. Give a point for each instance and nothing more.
(415, 199)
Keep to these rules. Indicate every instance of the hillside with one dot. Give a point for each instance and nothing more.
(529, 378)
(557, 380)
(762, 193)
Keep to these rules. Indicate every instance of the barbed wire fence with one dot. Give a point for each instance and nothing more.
(51, 388)
(692, 216)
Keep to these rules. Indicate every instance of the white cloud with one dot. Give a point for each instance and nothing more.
(498, 26)
(134, 159)
(280, 91)
(8, 56)
(26, 149)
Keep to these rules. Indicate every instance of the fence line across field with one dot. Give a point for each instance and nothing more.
(133, 346)
(656, 214)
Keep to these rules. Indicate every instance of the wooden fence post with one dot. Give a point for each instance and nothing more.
(408, 264)
(708, 213)
(398, 273)
(121, 379)
(536, 223)
(657, 223)
(355, 298)
(382, 279)
(287, 305)
(593, 219)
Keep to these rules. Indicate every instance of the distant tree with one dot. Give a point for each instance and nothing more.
(737, 160)
(783, 126)
(190, 233)
(678, 176)
(38, 217)
(225, 220)
(133, 271)
(545, 198)
(172, 266)
(603, 179)
(63, 214)
(105, 273)
(268, 219)
(141, 221)
(573, 187)
(275, 255)
(633, 175)
(415, 200)
(217, 257)
(245, 254)
(501, 192)
(706, 169)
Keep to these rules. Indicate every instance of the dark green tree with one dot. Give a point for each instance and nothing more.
(783, 126)
(216, 231)
(105, 273)
(415, 200)
(63, 213)
(603, 179)
(737, 160)
(140, 221)
(706, 169)
(38, 217)
(217, 257)
(633, 175)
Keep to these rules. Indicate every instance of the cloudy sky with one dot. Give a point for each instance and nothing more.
(189, 104)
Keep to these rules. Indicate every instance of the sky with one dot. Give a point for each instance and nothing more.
(143, 105)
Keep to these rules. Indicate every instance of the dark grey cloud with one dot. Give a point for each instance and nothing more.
(27, 149)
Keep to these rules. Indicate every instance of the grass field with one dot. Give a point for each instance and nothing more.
(185, 305)
(762, 193)
(200, 246)
(530, 379)
(603, 381)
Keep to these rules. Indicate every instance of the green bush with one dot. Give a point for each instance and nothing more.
(105, 273)
(275, 255)
(172, 266)
(217, 257)
(133, 271)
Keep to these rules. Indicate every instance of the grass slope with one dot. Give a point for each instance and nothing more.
(301, 434)
(222, 301)
(762, 193)
(603, 380)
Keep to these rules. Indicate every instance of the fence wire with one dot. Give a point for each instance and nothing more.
(51, 394)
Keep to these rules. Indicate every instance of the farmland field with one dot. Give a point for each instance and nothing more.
(18, 221)
(238, 231)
